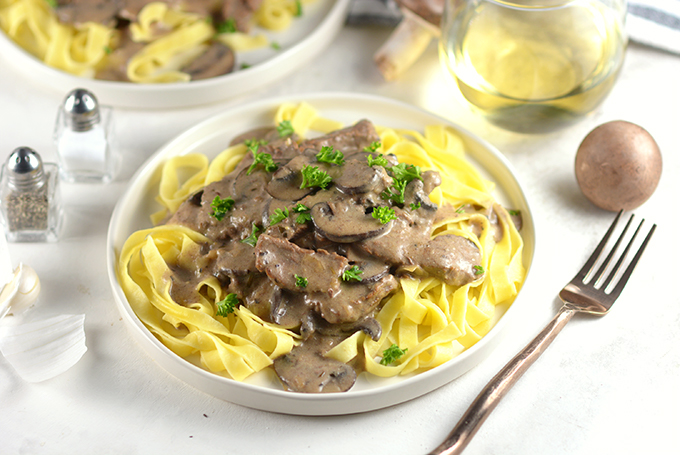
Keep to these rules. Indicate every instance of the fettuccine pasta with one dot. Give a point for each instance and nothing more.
(430, 320)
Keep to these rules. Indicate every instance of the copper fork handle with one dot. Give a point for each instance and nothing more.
(490, 396)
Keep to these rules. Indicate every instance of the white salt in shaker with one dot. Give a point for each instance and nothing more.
(82, 136)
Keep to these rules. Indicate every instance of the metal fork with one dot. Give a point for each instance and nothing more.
(587, 292)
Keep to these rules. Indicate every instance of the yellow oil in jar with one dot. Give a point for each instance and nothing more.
(534, 69)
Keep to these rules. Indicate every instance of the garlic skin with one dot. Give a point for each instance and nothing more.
(21, 292)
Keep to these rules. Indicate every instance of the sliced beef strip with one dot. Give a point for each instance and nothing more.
(349, 140)
(451, 258)
(282, 260)
(354, 301)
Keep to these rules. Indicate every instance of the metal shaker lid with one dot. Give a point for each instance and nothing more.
(81, 110)
(25, 169)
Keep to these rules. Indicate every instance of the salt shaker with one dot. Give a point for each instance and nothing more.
(82, 135)
(31, 203)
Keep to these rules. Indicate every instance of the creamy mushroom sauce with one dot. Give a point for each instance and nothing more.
(342, 233)
(217, 60)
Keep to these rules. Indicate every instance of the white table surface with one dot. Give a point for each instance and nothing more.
(605, 386)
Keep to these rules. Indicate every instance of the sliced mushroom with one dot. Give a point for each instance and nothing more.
(346, 222)
(372, 268)
(451, 258)
(347, 140)
(218, 59)
(305, 369)
(358, 177)
(78, 12)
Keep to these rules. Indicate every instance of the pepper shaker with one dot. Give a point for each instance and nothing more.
(31, 203)
(82, 137)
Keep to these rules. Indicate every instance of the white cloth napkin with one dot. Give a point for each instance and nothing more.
(654, 23)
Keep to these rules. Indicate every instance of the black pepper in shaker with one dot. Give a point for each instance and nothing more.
(29, 194)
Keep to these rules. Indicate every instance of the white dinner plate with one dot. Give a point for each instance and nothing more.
(303, 40)
(263, 391)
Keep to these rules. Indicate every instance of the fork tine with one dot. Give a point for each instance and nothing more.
(623, 256)
(600, 274)
(629, 270)
(590, 263)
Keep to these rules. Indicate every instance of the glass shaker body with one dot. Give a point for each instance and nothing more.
(32, 214)
(533, 66)
(85, 156)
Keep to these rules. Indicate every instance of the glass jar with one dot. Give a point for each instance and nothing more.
(533, 66)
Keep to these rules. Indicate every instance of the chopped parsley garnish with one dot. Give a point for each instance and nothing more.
(380, 160)
(460, 210)
(265, 159)
(245, 66)
(227, 306)
(392, 354)
(352, 274)
(221, 207)
(479, 270)
(228, 26)
(330, 155)
(276, 46)
(285, 128)
(303, 213)
(52, 3)
(301, 281)
(373, 147)
(313, 176)
(513, 212)
(383, 214)
(252, 238)
(108, 50)
(415, 205)
(298, 8)
(279, 215)
(396, 191)
(407, 172)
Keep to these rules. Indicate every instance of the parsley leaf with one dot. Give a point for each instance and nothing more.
(352, 274)
(252, 238)
(330, 155)
(396, 192)
(303, 213)
(373, 147)
(407, 172)
(227, 306)
(52, 3)
(298, 8)
(479, 270)
(301, 281)
(415, 205)
(276, 46)
(313, 176)
(383, 214)
(380, 160)
(285, 128)
(392, 354)
(265, 159)
(228, 26)
(278, 216)
(221, 207)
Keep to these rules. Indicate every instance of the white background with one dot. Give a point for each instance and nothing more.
(606, 385)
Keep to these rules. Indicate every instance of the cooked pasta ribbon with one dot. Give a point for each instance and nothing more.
(429, 319)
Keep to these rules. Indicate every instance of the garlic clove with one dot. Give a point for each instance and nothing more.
(21, 292)
(44, 349)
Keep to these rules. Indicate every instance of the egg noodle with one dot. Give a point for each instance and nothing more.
(83, 49)
(433, 321)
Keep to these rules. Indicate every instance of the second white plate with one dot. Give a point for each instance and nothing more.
(308, 36)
